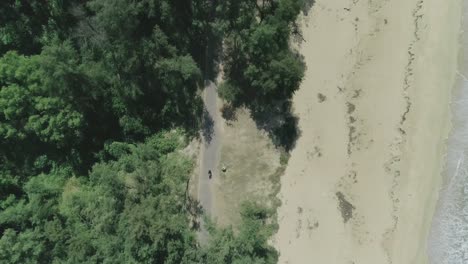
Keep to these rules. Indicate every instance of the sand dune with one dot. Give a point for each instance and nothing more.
(362, 181)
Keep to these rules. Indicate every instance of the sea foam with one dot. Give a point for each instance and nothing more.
(448, 241)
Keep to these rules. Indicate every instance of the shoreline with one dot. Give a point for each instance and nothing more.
(446, 233)
(442, 43)
(361, 185)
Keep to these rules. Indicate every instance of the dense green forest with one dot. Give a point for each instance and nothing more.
(97, 99)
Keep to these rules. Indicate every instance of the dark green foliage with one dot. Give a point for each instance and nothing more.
(88, 92)
(25, 26)
(135, 203)
(260, 68)
(29, 225)
(249, 244)
(36, 121)
(32, 104)
(125, 72)
(130, 210)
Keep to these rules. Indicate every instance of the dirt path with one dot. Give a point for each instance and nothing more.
(209, 156)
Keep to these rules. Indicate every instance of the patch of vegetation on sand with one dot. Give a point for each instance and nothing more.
(346, 208)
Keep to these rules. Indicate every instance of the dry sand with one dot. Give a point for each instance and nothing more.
(362, 181)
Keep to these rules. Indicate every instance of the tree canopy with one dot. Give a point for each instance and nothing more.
(259, 65)
(131, 209)
(97, 99)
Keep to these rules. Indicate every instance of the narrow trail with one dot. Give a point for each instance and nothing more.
(209, 155)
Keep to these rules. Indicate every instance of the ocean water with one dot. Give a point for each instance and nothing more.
(448, 241)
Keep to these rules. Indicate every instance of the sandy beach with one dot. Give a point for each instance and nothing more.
(362, 182)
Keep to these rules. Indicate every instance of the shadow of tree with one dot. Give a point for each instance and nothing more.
(228, 112)
(276, 118)
(196, 211)
(212, 57)
(279, 122)
(308, 4)
(297, 35)
(207, 126)
(193, 208)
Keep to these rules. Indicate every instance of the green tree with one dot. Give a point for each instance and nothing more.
(136, 203)
(29, 225)
(88, 92)
(26, 25)
(249, 244)
(34, 120)
(260, 68)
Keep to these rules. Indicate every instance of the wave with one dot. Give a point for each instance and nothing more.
(448, 242)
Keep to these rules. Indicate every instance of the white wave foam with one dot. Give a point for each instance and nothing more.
(448, 243)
